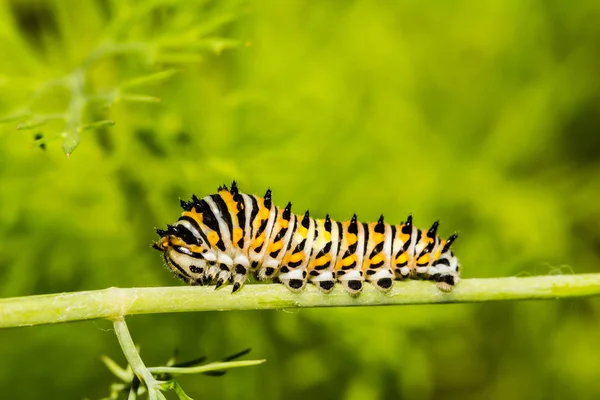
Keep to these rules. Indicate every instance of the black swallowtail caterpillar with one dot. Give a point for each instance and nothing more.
(224, 237)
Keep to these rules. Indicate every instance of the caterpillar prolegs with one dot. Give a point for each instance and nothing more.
(224, 237)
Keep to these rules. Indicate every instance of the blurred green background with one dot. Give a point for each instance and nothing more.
(484, 115)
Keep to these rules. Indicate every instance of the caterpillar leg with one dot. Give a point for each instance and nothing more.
(240, 273)
(445, 281)
(268, 269)
(381, 279)
(403, 272)
(324, 280)
(212, 268)
(224, 276)
(326, 286)
(224, 263)
(352, 281)
(295, 280)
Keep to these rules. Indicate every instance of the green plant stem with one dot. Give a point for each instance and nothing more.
(113, 303)
(216, 366)
(133, 357)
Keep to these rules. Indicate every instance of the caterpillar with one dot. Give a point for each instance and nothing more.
(224, 237)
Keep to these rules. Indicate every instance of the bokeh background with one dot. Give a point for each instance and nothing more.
(484, 115)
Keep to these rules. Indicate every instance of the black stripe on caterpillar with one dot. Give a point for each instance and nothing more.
(224, 237)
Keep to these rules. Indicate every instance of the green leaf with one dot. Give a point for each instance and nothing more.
(97, 124)
(215, 23)
(31, 124)
(179, 391)
(140, 98)
(215, 44)
(150, 79)
(176, 387)
(126, 375)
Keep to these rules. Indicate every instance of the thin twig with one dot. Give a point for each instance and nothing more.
(113, 303)
(216, 366)
(134, 359)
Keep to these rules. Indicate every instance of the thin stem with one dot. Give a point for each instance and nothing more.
(216, 366)
(113, 303)
(133, 357)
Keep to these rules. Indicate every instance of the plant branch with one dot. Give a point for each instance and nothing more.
(135, 361)
(114, 303)
(130, 351)
(216, 366)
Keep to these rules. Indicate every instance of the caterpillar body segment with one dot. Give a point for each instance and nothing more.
(225, 237)
(320, 268)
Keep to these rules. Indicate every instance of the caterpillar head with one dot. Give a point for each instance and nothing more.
(184, 251)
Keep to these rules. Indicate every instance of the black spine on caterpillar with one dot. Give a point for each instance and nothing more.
(224, 237)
